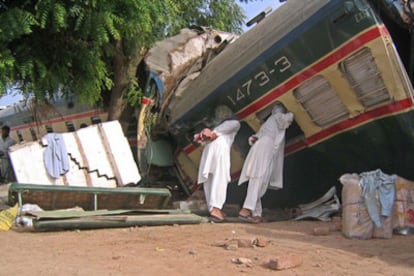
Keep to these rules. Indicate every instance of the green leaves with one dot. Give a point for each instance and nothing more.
(133, 94)
(52, 14)
(87, 47)
(15, 23)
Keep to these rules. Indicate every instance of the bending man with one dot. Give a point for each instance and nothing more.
(214, 169)
(264, 163)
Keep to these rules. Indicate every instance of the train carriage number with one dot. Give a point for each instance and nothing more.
(361, 16)
(262, 78)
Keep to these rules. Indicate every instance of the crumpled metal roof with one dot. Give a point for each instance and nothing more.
(179, 59)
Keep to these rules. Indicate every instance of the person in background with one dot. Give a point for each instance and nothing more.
(264, 162)
(5, 143)
(214, 169)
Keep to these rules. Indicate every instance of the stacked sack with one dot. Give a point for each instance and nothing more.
(403, 212)
(356, 221)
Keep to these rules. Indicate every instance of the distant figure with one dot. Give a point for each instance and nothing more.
(5, 143)
(214, 169)
(83, 125)
(264, 163)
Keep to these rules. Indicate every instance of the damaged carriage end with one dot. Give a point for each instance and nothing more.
(170, 65)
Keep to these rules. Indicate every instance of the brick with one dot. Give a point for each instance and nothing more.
(261, 242)
(232, 245)
(245, 243)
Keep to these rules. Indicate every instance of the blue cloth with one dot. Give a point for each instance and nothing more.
(373, 183)
(55, 156)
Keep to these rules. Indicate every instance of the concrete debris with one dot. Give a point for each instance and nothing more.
(285, 262)
(233, 244)
(244, 261)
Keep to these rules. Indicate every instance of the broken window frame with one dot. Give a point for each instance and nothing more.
(320, 101)
(362, 73)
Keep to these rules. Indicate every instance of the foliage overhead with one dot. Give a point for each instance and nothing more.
(68, 46)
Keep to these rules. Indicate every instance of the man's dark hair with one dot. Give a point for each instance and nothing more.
(6, 128)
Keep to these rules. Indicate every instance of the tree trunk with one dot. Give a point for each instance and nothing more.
(124, 69)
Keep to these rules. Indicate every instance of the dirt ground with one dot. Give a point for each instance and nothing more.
(198, 250)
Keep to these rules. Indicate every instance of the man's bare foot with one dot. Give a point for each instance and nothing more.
(216, 214)
(245, 213)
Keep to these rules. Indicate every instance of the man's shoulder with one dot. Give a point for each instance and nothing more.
(10, 141)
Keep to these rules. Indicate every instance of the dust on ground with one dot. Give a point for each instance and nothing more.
(195, 250)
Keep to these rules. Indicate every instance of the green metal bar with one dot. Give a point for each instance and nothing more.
(17, 190)
(181, 182)
(19, 199)
(113, 222)
(98, 190)
(67, 214)
(95, 201)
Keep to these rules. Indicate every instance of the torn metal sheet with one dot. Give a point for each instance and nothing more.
(180, 58)
(322, 208)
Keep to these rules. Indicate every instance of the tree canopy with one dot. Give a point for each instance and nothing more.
(92, 47)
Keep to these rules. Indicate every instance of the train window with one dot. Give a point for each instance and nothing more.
(96, 120)
(49, 129)
(320, 101)
(293, 132)
(19, 134)
(241, 142)
(33, 133)
(69, 126)
(362, 73)
(264, 114)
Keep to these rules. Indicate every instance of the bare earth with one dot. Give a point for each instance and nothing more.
(194, 250)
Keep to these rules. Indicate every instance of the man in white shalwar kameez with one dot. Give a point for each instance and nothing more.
(5, 143)
(264, 163)
(214, 169)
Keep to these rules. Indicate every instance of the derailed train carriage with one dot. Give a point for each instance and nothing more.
(343, 68)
